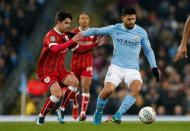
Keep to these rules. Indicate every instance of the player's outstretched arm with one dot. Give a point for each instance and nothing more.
(182, 51)
(150, 56)
(59, 47)
(98, 31)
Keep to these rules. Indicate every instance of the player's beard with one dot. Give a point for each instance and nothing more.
(129, 26)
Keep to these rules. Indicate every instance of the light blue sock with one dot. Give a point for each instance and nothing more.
(100, 104)
(127, 102)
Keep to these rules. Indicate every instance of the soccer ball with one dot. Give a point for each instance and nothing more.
(147, 115)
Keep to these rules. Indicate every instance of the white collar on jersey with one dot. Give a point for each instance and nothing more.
(57, 31)
(125, 28)
(80, 29)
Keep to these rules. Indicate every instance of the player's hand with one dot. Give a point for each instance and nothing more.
(77, 37)
(156, 73)
(181, 53)
(103, 40)
(70, 34)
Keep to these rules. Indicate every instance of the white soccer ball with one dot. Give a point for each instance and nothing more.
(147, 115)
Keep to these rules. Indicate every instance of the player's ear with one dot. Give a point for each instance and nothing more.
(58, 21)
(122, 18)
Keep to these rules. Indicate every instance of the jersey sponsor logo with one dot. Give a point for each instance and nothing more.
(128, 42)
(52, 38)
(136, 37)
(47, 79)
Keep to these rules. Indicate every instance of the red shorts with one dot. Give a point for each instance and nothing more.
(84, 72)
(82, 65)
(60, 76)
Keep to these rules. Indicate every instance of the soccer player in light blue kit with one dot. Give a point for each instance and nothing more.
(128, 38)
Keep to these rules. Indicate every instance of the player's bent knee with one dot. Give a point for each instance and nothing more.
(71, 80)
(59, 94)
(135, 92)
(109, 91)
(55, 90)
(75, 83)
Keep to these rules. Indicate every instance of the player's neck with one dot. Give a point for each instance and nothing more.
(57, 29)
(82, 28)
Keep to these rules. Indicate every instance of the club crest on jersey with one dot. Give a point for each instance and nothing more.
(136, 37)
(47, 79)
(52, 38)
(66, 38)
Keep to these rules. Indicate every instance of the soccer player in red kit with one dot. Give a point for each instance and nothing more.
(82, 66)
(51, 68)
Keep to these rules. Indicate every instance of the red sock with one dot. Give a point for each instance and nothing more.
(84, 102)
(76, 99)
(69, 95)
(49, 104)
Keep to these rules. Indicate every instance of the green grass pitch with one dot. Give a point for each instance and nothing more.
(88, 126)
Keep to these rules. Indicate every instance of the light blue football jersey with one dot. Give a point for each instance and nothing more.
(127, 44)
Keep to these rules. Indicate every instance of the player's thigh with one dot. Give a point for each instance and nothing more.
(55, 90)
(51, 82)
(113, 75)
(71, 80)
(132, 76)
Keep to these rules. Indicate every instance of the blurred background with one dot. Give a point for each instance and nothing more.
(24, 23)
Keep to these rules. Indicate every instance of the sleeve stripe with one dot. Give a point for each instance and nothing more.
(52, 44)
(73, 49)
(84, 43)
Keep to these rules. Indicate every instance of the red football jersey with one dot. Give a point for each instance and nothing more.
(89, 40)
(82, 61)
(49, 62)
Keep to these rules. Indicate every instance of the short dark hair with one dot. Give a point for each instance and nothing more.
(128, 11)
(82, 14)
(86, 13)
(62, 15)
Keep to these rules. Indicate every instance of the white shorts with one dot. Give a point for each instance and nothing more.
(116, 74)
